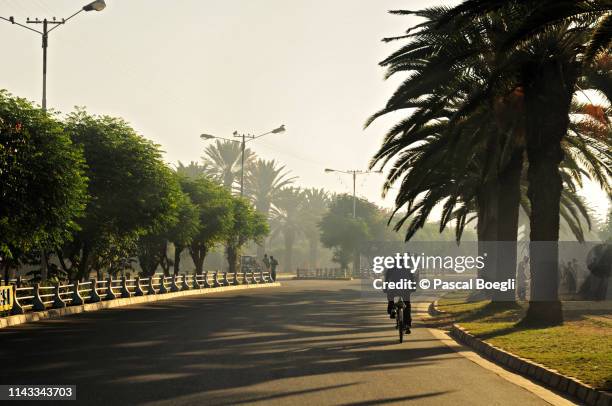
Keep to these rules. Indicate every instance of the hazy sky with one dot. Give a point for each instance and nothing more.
(175, 69)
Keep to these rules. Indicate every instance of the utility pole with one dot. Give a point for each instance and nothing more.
(354, 174)
(245, 138)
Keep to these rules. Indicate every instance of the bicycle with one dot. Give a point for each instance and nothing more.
(400, 307)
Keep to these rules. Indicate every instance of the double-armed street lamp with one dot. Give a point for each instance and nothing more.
(245, 138)
(354, 174)
(97, 5)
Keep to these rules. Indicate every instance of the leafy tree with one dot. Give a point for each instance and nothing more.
(346, 235)
(180, 231)
(132, 193)
(215, 212)
(223, 162)
(247, 225)
(42, 182)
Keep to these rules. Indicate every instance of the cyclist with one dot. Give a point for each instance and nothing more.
(399, 275)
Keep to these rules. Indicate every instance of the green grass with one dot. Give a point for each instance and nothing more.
(581, 347)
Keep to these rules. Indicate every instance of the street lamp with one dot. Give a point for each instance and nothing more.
(354, 173)
(245, 138)
(97, 5)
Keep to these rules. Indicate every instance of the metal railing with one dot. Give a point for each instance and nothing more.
(322, 273)
(38, 297)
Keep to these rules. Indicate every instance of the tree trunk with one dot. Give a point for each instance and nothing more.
(178, 250)
(507, 225)
(289, 241)
(487, 228)
(232, 257)
(314, 252)
(548, 94)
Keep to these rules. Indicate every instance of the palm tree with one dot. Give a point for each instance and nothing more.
(192, 171)
(287, 221)
(461, 130)
(263, 182)
(223, 162)
(316, 204)
(542, 14)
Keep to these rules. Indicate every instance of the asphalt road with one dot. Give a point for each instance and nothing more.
(308, 342)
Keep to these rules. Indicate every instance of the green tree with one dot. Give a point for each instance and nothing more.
(247, 225)
(346, 235)
(43, 187)
(132, 193)
(180, 230)
(214, 206)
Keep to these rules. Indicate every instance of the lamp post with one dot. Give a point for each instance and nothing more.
(354, 174)
(245, 138)
(97, 5)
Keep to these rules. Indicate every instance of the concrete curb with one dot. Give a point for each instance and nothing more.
(91, 307)
(548, 377)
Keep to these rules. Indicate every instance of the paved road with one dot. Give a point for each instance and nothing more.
(309, 342)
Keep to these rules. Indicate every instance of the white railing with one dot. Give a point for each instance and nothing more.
(38, 297)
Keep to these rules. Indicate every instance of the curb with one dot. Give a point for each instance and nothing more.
(120, 302)
(548, 377)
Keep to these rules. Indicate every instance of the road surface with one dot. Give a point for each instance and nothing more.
(308, 342)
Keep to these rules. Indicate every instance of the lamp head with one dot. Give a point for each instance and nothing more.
(207, 136)
(327, 170)
(97, 5)
(278, 130)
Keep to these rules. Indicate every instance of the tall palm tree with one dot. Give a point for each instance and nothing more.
(287, 221)
(264, 181)
(316, 204)
(223, 162)
(462, 84)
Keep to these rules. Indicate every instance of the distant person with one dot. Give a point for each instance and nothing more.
(273, 265)
(521, 278)
(266, 262)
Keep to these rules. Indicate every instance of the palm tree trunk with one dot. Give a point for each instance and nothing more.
(488, 219)
(548, 95)
(314, 252)
(289, 241)
(507, 225)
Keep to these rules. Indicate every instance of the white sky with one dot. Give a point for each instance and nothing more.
(175, 69)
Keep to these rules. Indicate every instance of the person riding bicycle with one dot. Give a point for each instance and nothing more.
(399, 275)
